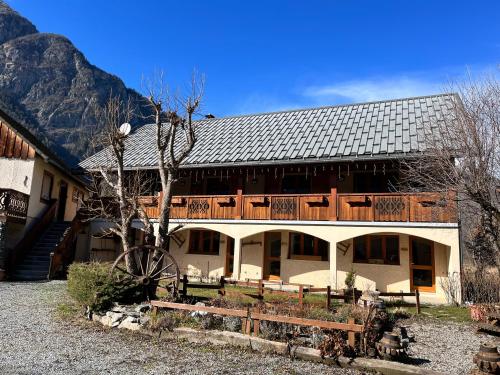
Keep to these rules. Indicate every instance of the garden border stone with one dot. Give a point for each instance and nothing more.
(267, 346)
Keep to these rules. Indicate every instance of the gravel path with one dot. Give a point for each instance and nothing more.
(447, 348)
(33, 341)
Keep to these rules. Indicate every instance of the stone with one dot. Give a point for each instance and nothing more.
(119, 309)
(231, 323)
(115, 318)
(198, 314)
(143, 308)
(130, 323)
(105, 321)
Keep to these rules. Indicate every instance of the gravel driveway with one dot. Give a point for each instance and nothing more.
(33, 341)
(447, 348)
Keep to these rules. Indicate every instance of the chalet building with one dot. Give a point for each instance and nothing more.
(305, 196)
(39, 198)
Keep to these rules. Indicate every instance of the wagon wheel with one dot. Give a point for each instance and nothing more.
(154, 267)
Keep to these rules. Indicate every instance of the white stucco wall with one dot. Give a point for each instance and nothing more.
(198, 265)
(252, 257)
(16, 174)
(36, 206)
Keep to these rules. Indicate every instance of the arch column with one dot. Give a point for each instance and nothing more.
(237, 259)
(333, 264)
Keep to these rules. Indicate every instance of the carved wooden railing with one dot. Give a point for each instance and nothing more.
(418, 207)
(32, 235)
(393, 207)
(64, 253)
(14, 205)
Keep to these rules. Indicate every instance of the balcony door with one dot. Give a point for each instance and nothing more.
(422, 268)
(272, 256)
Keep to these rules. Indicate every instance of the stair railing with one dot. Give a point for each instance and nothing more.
(64, 251)
(33, 233)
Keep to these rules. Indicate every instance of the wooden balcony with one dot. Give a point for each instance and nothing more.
(13, 205)
(424, 207)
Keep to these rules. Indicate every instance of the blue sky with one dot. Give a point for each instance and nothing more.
(261, 56)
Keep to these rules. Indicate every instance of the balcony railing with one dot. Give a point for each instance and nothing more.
(13, 205)
(422, 207)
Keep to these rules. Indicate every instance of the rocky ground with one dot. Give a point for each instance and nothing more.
(34, 341)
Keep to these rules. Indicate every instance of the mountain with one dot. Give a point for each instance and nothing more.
(49, 85)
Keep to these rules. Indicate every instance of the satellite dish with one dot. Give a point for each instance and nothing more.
(125, 128)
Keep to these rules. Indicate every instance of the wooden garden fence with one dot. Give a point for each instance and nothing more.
(247, 316)
(261, 290)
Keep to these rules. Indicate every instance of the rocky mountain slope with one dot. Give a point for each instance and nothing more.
(49, 85)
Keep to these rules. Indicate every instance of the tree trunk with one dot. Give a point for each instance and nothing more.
(163, 239)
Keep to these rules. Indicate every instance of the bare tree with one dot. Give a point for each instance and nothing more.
(115, 192)
(175, 138)
(466, 159)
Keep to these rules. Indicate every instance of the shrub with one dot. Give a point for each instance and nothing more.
(481, 285)
(90, 285)
(350, 279)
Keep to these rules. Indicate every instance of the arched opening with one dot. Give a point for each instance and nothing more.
(393, 262)
(285, 255)
(202, 253)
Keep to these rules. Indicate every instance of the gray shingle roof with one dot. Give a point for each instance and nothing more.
(372, 130)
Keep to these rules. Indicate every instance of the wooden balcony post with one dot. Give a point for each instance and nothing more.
(333, 204)
(408, 205)
(239, 204)
(372, 197)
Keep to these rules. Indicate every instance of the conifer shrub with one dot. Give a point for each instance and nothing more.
(90, 284)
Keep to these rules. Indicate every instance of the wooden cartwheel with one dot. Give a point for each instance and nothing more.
(155, 267)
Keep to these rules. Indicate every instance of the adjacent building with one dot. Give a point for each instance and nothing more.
(39, 197)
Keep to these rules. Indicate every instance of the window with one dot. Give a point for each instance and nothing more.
(205, 242)
(304, 246)
(47, 183)
(376, 249)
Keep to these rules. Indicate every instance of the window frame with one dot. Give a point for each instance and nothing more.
(368, 242)
(51, 176)
(315, 257)
(198, 249)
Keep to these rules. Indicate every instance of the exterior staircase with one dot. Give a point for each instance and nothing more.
(36, 263)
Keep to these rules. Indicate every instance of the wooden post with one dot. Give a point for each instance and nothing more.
(333, 204)
(351, 335)
(239, 204)
(248, 323)
(301, 296)
(154, 312)
(184, 285)
(328, 297)
(243, 325)
(256, 323)
(222, 290)
(417, 300)
(372, 197)
(261, 289)
(408, 205)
